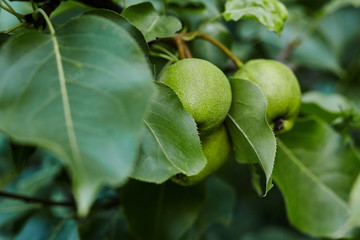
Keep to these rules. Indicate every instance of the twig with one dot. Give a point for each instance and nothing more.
(223, 48)
(37, 200)
(288, 50)
(187, 50)
(180, 45)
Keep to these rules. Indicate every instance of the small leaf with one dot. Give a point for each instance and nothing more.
(270, 13)
(252, 137)
(79, 94)
(328, 107)
(150, 23)
(315, 170)
(118, 19)
(164, 211)
(170, 141)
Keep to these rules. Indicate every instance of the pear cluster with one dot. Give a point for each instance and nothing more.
(206, 95)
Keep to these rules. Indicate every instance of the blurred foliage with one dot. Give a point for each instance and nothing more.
(319, 41)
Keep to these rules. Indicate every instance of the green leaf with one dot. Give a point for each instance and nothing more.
(121, 21)
(334, 5)
(270, 13)
(150, 23)
(78, 93)
(315, 170)
(170, 141)
(164, 211)
(252, 137)
(328, 107)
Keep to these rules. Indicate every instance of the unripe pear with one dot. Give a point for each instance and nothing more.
(280, 88)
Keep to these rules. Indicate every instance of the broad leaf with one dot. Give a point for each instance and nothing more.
(150, 23)
(170, 141)
(252, 137)
(328, 107)
(78, 93)
(314, 169)
(164, 211)
(270, 13)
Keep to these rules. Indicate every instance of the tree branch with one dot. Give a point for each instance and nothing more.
(44, 202)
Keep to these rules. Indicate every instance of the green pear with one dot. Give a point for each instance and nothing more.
(216, 149)
(280, 88)
(203, 90)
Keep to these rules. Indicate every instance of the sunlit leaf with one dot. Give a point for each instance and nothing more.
(270, 13)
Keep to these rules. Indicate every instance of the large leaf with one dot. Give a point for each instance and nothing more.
(161, 211)
(170, 141)
(150, 23)
(314, 169)
(252, 137)
(78, 93)
(270, 13)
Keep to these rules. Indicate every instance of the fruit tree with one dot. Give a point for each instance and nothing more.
(179, 120)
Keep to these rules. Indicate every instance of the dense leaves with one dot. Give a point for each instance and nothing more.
(90, 142)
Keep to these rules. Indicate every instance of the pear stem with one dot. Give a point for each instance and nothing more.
(192, 35)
